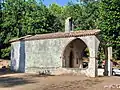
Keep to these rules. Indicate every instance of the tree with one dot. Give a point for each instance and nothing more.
(85, 16)
(57, 11)
(110, 24)
(23, 17)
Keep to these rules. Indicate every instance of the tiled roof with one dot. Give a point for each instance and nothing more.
(59, 35)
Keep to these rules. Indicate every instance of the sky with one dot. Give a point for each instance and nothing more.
(60, 2)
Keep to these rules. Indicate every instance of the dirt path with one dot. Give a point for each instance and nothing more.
(65, 82)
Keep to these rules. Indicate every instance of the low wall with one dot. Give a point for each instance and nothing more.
(57, 71)
(61, 71)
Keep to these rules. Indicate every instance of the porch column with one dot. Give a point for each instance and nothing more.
(92, 43)
(92, 68)
(93, 48)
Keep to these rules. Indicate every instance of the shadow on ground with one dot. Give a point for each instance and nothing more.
(4, 71)
(13, 81)
(10, 81)
(8, 78)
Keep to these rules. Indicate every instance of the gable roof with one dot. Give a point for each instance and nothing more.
(79, 33)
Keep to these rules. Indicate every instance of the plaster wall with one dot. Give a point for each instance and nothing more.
(47, 55)
(15, 56)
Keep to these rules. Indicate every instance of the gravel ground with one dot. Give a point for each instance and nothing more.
(64, 82)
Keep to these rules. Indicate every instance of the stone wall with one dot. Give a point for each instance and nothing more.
(37, 55)
(15, 47)
(46, 55)
(43, 54)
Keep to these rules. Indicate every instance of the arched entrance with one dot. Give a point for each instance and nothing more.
(73, 54)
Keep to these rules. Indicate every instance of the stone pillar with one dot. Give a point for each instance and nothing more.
(92, 68)
(92, 43)
(93, 49)
(109, 61)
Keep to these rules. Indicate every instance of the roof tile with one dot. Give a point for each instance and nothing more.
(59, 35)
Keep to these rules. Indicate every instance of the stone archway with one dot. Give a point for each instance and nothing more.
(73, 54)
(92, 43)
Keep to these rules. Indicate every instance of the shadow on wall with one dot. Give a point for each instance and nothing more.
(12, 58)
(22, 57)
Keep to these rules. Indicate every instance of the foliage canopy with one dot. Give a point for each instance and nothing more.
(23, 17)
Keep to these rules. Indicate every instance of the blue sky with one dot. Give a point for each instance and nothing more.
(60, 2)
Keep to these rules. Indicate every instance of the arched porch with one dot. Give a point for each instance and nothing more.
(73, 55)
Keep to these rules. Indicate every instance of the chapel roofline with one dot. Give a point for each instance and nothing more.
(79, 33)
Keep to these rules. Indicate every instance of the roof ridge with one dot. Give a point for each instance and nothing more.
(59, 35)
